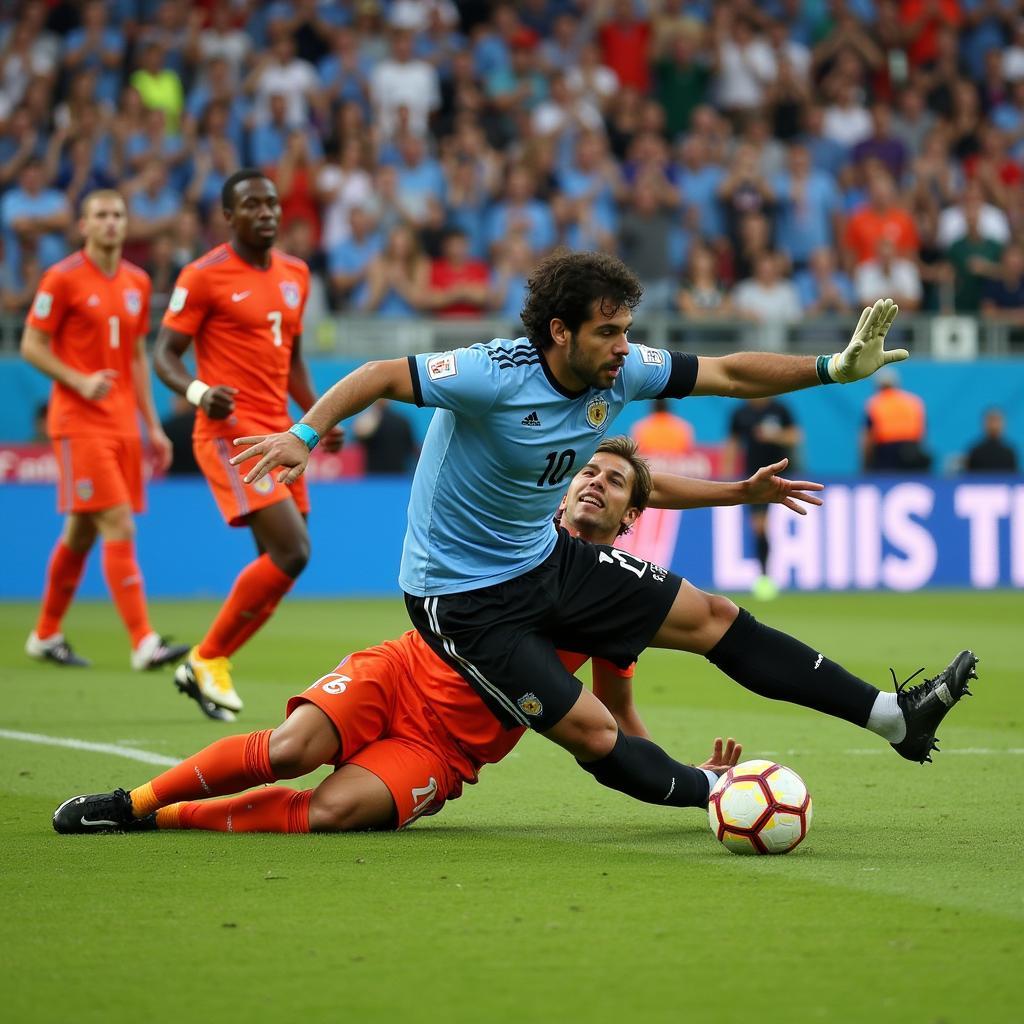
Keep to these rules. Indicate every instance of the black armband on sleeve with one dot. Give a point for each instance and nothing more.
(682, 376)
(414, 372)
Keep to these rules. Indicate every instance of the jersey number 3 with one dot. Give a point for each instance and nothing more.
(275, 327)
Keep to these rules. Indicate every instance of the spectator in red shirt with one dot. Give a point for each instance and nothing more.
(922, 20)
(625, 46)
(458, 285)
(882, 216)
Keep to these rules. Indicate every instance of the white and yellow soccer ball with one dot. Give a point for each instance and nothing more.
(760, 807)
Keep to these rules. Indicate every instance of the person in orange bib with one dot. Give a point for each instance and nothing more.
(404, 731)
(892, 439)
(241, 304)
(87, 331)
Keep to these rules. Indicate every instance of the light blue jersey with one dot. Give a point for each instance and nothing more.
(500, 452)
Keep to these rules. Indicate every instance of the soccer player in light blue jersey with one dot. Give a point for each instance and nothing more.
(493, 587)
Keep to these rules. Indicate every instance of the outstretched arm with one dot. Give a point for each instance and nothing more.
(762, 374)
(386, 378)
(765, 487)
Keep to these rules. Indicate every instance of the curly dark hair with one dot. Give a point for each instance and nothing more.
(565, 286)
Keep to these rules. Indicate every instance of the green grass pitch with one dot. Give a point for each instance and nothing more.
(538, 896)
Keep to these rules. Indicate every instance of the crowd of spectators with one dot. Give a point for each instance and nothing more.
(765, 160)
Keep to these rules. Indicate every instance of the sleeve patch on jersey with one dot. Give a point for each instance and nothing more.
(651, 356)
(291, 294)
(178, 297)
(43, 305)
(442, 366)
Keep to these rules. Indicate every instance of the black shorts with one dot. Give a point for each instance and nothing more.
(502, 639)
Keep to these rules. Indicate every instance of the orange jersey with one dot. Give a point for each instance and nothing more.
(244, 322)
(94, 323)
(464, 714)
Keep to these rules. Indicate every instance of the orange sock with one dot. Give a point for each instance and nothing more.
(256, 593)
(227, 766)
(62, 578)
(124, 581)
(271, 809)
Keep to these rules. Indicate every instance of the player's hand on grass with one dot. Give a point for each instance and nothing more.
(866, 351)
(218, 402)
(96, 386)
(162, 448)
(333, 439)
(276, 450)
(766, 487)
(724, 755)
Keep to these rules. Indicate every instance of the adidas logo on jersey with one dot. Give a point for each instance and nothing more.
(533, 420)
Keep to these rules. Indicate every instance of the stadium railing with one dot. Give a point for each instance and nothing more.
(355, 336)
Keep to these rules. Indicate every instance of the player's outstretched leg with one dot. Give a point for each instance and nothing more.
(775, 665)
(305, 741)
(924, 706)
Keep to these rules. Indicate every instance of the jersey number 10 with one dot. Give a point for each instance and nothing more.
(558, 468)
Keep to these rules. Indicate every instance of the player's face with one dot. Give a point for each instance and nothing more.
(104, 222)
(598, 349)
(599, 497)
(256, 214)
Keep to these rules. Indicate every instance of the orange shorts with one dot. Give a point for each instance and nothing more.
(97, 473)
(388, 728)
(234, 498)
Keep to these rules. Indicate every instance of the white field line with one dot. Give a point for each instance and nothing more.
(871, 751)
(145, 756)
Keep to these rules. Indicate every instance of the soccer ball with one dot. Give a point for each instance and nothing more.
(760, 807)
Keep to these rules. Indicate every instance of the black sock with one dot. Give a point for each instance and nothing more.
(780, 667)
(761, 545)
(642, 770)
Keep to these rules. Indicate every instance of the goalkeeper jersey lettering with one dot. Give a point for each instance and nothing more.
(499, 453)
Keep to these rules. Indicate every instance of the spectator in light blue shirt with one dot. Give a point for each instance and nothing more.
(823, 287)
(154, 208)
(826, 154)
(33, 219)
(98, 46)
(520, 211)
(698, 180)
(348, 262)
(345, 72)
(268, 140)
(809, 207)
(420, 178)
(514, 264)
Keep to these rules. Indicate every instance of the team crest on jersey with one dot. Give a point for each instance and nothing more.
(133, 301)
(439, 367)
(43, 305)
(264, 485)
(178, 297)
(597, 412)
(651, 356)
(530, 704)
(84, 489)
(290, 294)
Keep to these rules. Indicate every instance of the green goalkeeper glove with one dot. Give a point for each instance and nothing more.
(866, 352)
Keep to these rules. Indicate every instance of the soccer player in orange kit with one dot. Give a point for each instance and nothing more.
(404, 730)
(242, 304)
(87, 331)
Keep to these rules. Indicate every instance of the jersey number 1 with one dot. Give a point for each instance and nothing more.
(115, 331)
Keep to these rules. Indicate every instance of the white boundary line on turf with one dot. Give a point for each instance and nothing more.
(145, 756)
(866, 751)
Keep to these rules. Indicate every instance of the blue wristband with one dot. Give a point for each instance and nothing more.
(822, 367)
(306, 434)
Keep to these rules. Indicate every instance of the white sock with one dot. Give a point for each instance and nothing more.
(886, 718)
